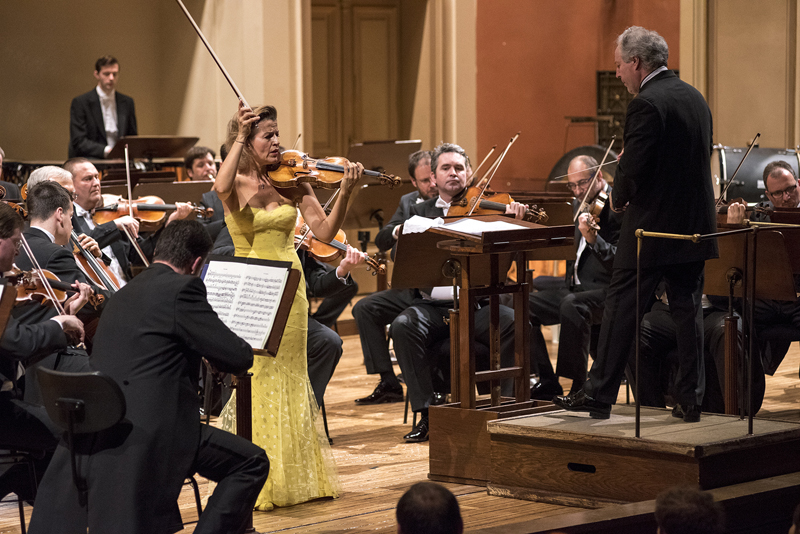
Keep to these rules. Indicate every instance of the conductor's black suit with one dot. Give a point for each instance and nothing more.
(87, 131)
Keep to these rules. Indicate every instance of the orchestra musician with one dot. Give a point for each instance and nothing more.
(99, 118)
(50, 213)
(110, 236)
(419, 170)
(151, 342)
(199, 163)
(421, 324)
(26, 426)
(12, 190)
(780, 182)
(576, 302)
(261, 220)
(663, 183)
(374, 312)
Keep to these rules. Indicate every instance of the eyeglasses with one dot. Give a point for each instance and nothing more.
(788, 191)
(572, 186)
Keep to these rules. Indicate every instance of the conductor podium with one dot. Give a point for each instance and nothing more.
(477, 263)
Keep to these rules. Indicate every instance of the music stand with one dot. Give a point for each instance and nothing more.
(374, 204)
(152, 146)
(390, 157)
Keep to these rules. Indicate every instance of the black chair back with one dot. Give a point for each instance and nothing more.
(96, 401)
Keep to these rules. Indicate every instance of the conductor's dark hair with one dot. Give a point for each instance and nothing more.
(416, 159)
(10, 220)
(687, 510)
(443, 149)
(428, 508)
(45, 198)
(772, 166)
(105, 61)
(196, 152)
(181, 242)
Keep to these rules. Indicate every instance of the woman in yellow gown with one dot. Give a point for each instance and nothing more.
(261, 220)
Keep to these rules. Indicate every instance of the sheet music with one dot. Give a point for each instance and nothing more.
(246, 297)
(478, 227)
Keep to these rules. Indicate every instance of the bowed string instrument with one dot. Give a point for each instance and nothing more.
(295, 166)
(472, 201)
(595, 207)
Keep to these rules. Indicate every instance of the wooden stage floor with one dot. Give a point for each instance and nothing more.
(376, 466)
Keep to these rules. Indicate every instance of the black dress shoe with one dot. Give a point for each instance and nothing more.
(383, 393)
(690, 413)
(438, 399)
(546, 390)
(419, 433)
(581, 402)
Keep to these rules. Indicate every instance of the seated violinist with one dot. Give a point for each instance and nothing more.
(422, 324)
(26, 426)
(110, 236)
(780, 183)
(576, 302)
(50, 212)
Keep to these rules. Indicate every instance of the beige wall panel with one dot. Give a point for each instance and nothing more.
(326, 79)
(751, 71)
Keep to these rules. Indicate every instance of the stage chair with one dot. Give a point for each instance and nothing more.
(26, 458)
(81, 403)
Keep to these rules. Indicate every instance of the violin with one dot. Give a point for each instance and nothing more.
(149, 210)
(296, 167)
(331, 251)
(465, 204)
(594, 208)
(30, 287)
(98, 271)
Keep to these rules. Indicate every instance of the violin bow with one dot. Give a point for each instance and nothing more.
(494, 170)
(594, 179)
(725, 191)
(40, 273)
(213, 55)
(308, 228)
(135, 245)
(475, 172)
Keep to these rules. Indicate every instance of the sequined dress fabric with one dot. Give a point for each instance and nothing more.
(286, 419)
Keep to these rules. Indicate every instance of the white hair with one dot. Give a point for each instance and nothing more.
(48, 173)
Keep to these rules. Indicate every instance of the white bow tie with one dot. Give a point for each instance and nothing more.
(441, 203)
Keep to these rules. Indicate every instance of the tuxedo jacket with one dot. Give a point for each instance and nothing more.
(665, 174)
(60, 261)
(384, 239)
(216, 222)
(87, 131)
(596, 261)
(151, 341)
(26, 343)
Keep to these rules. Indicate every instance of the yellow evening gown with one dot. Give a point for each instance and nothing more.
(286, 422)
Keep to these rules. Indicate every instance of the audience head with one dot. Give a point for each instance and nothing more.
(428, 508)
(638, 53)
(687, 510)
(183, 244)
(449, 170)
(780, 182)
(51, 173)
(106, 71)
(11, 225)
(263, 139)
(419, 169)
(580, 172)
(86, 181)
(200, 164)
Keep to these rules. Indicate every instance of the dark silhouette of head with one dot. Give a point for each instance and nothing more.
(428, 508)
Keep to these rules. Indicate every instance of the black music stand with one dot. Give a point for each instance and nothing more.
(152, 146)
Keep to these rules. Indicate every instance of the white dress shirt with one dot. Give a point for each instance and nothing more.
(108, 105)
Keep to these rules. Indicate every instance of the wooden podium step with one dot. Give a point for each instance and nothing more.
(571, 459)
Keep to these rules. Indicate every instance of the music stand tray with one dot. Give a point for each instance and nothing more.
(152, 146)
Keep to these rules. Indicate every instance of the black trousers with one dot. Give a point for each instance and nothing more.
(324, 349)
(684, 283)
(372, 314)
(576, 311)
(422, 326)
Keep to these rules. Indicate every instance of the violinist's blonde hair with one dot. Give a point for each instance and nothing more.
(247, 163)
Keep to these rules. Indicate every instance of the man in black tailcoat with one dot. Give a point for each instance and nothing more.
(99, 118)
(151, 340)
(663, 183)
